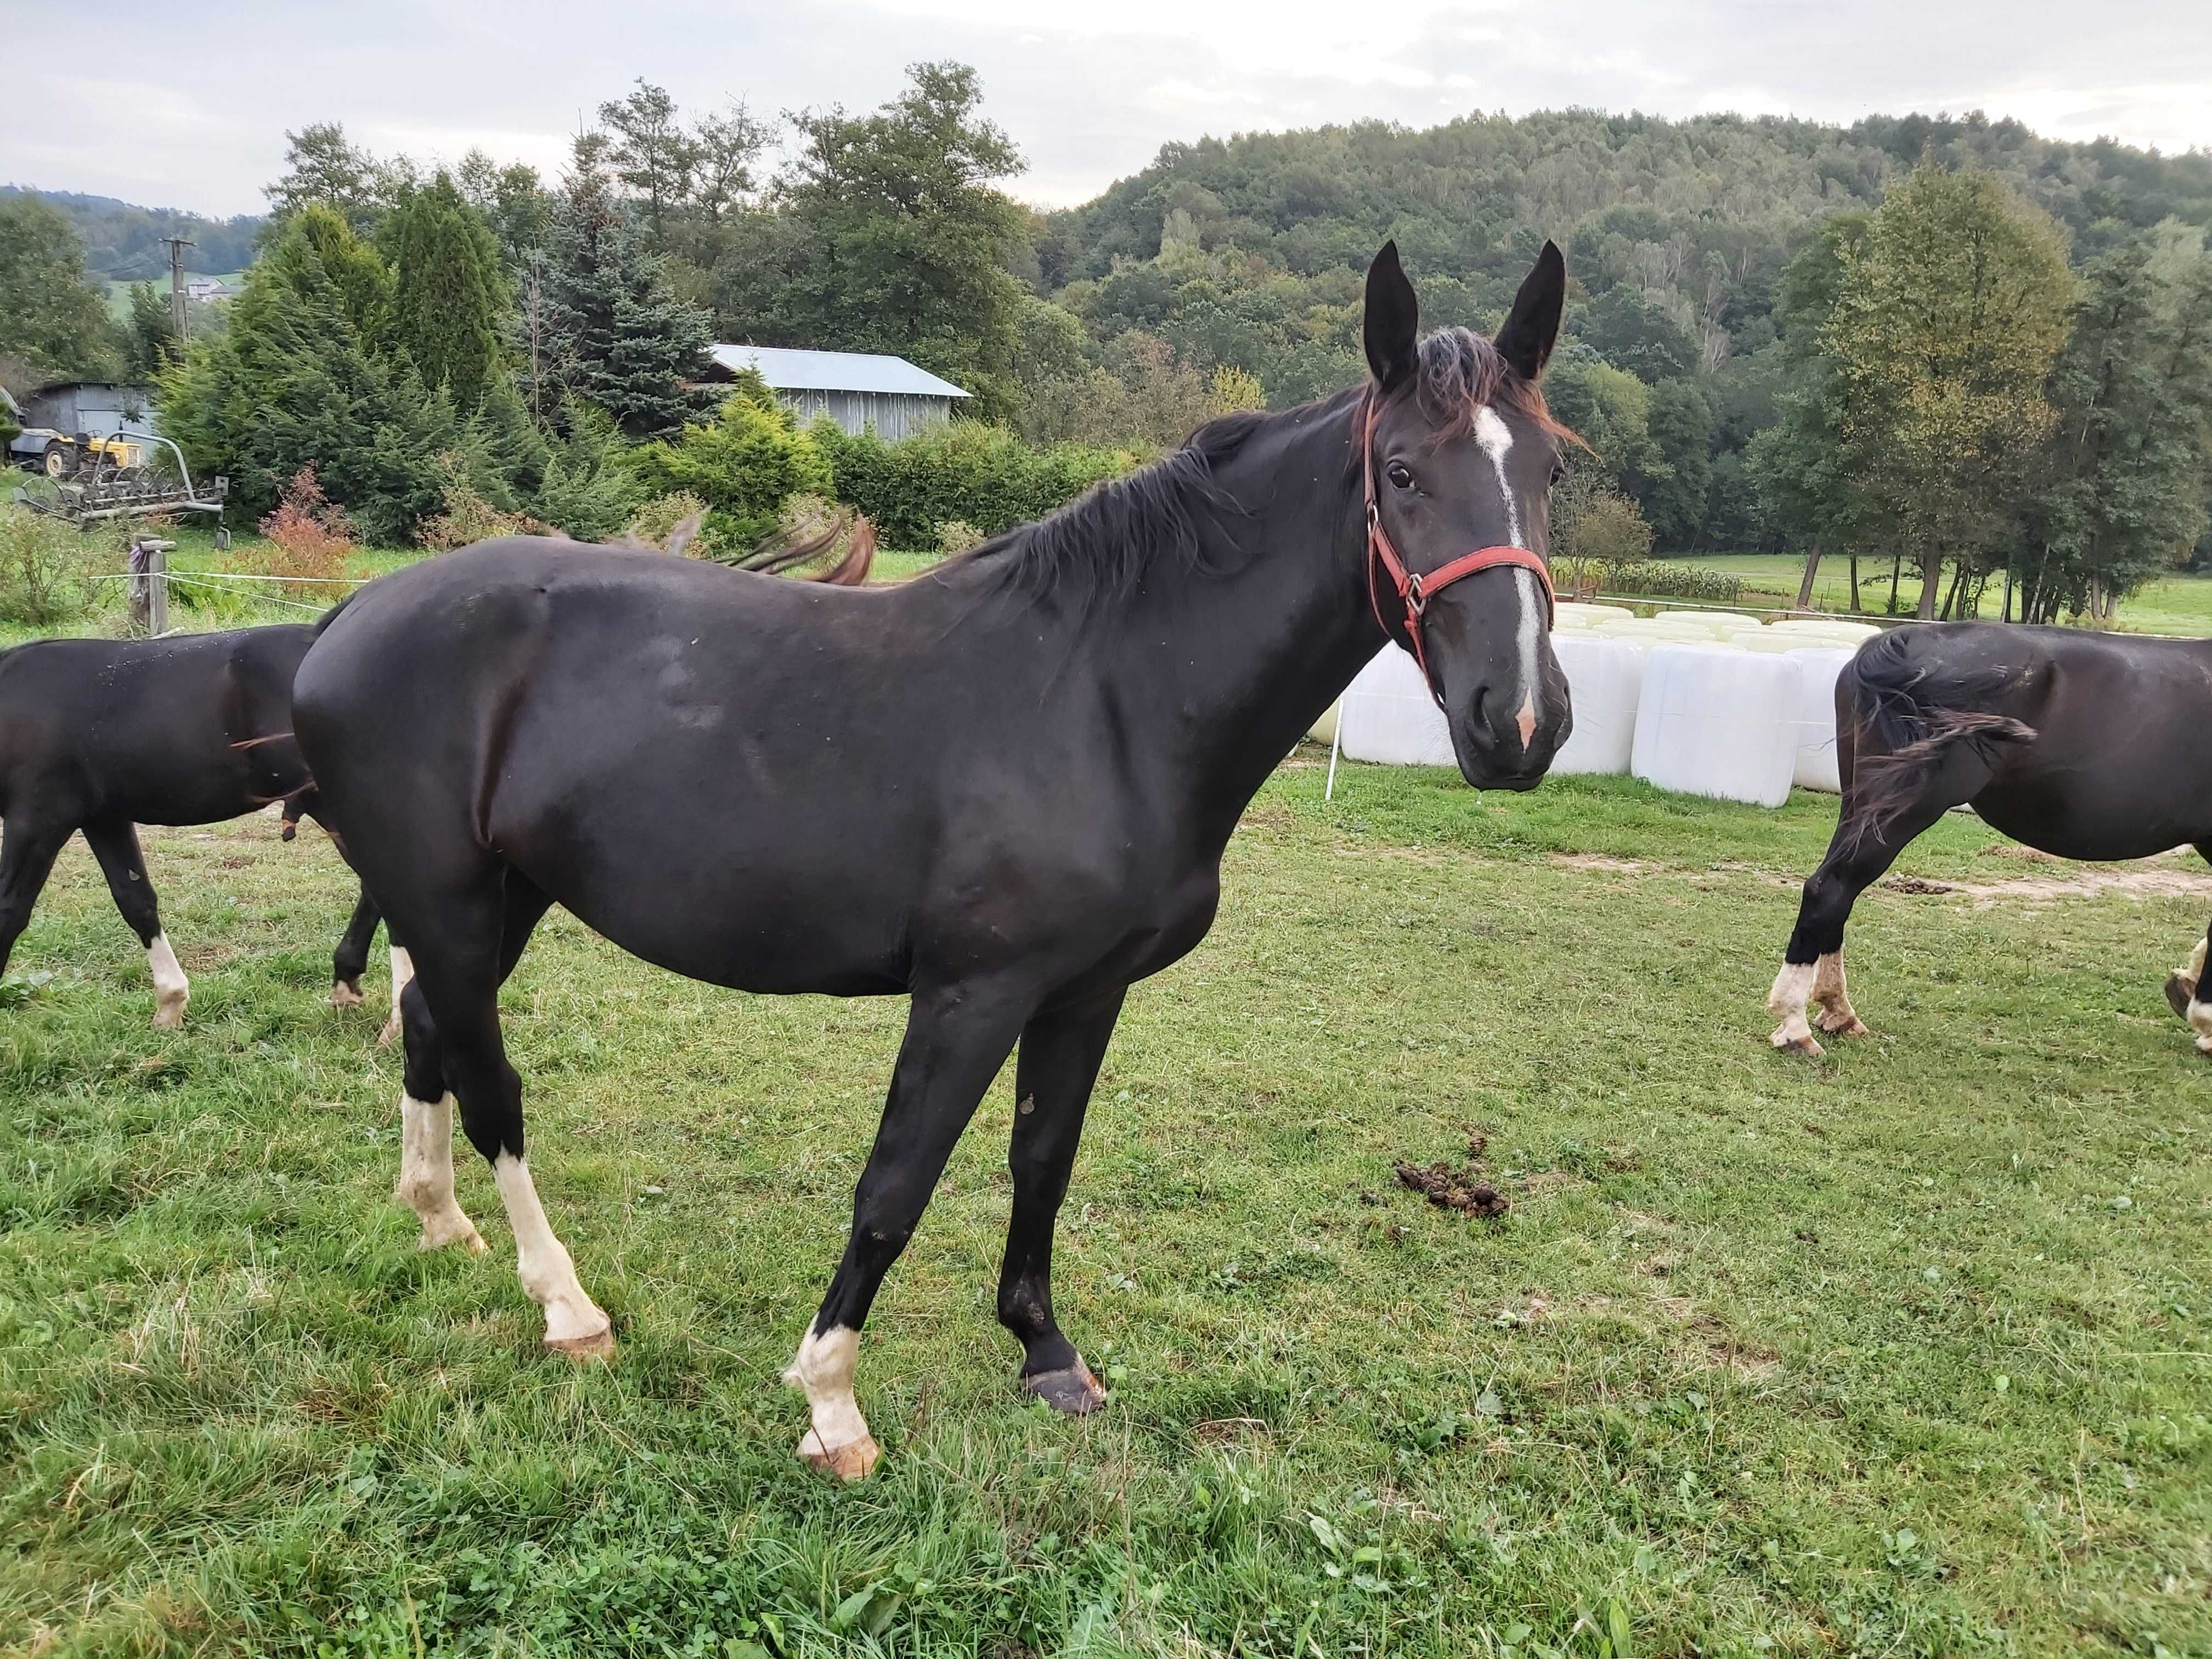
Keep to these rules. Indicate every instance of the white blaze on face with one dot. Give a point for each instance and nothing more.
(1495, 439)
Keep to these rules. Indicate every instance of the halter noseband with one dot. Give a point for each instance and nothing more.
(1415, 590)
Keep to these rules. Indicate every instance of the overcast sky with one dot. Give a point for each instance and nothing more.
(191, 113)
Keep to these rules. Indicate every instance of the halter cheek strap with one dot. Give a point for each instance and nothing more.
(1415, 589)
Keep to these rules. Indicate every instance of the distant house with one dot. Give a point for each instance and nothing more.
(856, 389)
(206, 287)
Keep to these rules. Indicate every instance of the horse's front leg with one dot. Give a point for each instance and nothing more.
(957, 1039)
(1061, 1052)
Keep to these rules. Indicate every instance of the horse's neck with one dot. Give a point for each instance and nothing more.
(1226, 672)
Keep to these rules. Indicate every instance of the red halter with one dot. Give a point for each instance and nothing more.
(1416, 590)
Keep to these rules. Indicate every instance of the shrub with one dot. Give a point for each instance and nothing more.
(744, 464)
(1661, 578)
(307, 539)
(469, 517)
(956, 536)
(47, 567)
(654, 521)
(980, 475)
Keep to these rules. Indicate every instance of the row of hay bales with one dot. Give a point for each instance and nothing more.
(1702, 702)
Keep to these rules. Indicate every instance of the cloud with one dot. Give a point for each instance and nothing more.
(1089, 94)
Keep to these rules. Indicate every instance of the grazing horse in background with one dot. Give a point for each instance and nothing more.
(2086, 745)
(103, 735)
(1002, 789)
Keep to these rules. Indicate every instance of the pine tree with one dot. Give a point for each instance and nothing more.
(618, 336)
(448, 302)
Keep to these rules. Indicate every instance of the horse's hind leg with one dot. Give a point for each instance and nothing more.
(115, 846)
(27, 851)
(2185, 987)
(1813, 964)
(1060, 1056)
(403, 975)
(955, 1041)
(426, 1107)
(351, 960)
(461, 960)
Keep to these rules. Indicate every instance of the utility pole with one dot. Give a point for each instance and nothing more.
(177, 244)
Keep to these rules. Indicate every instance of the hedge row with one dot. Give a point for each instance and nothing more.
(1665, 578)
(961, 473)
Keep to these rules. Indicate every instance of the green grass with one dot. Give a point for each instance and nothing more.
(2171, 605)
(1905, 1352)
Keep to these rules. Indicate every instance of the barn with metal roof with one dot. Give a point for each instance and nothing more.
(856, 389)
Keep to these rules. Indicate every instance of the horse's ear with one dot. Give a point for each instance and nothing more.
(1533, 326)
(1393, 321)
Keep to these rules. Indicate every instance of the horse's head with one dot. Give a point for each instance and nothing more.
(1462, 458)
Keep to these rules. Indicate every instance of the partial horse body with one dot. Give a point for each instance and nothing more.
(2086, 745)
(103, 735)
(1002, 789)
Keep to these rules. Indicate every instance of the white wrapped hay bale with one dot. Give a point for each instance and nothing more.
(1715, 721)
(1587, 613)
(1387, 714)
(1841, 628)
(1812, 717)
(1605, 678)
(1718, 623)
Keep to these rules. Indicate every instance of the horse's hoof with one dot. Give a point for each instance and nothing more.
(1851, 1025)
(465, 1234)
(1797, 1045)
(1073, 1391)
(598, 1346)
(2180, 992)
(169, 1016)
(343, 995)
(386, 1037)
(848, 1462)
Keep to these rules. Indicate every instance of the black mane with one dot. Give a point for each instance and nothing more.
(1102, 544)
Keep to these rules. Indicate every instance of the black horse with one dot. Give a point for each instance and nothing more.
(1003, 788)
(2086, 745)
(102, 735)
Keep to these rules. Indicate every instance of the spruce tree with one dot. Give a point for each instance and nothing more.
(449, 301)
(619, 337)
(297, 380)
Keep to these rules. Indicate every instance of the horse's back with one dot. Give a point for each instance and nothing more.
(2118, 766)
(150, 730)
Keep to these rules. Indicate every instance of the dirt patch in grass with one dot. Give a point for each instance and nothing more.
(2129, 883)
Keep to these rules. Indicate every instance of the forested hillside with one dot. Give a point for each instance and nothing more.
(124, 242)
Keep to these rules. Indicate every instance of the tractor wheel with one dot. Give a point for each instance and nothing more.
(61, 458)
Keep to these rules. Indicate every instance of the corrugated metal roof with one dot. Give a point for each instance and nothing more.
(834, 370)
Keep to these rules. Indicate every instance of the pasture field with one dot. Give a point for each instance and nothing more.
(2171, 605)
(1908, 1350)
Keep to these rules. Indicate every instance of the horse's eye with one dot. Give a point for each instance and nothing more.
(1399, 477)
(1558, 471)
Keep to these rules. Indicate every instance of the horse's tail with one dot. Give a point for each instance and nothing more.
(1907, 710)
(788, 552)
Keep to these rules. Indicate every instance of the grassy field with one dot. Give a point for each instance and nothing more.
(1905, 1352)
(2171, 605)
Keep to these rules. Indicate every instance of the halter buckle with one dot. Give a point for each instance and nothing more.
(1417, 602)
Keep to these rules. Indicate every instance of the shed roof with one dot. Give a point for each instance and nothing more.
(788, 370)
